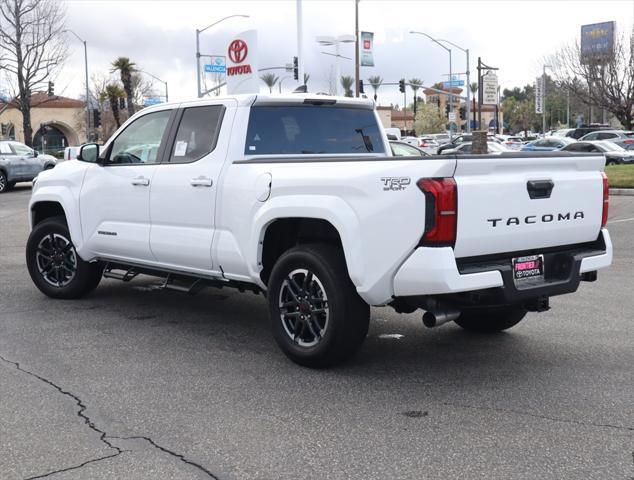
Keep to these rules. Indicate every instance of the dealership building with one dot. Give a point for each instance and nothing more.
(57, 122)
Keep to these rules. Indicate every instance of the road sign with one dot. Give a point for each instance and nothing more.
(217, 65)
(539, 95)
(453, 83)
(452, 116)
(152, 101)
(490, 89)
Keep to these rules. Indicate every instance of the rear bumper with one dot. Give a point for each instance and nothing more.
(435, 271)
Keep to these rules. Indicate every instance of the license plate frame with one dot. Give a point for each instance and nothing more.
(528, 269)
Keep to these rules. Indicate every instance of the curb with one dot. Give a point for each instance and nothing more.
(622, 191)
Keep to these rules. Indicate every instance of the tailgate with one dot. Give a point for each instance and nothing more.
(504, 205)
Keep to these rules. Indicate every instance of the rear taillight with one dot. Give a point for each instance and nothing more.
(422, 144)
(441, 211)
(628, 142)
(606, 199)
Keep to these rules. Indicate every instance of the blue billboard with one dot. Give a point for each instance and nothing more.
(597, 41)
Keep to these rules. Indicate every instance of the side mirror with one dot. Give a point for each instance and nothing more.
(89, 153)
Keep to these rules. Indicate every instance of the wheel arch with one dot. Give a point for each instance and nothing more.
(304, 219)
(47, 204)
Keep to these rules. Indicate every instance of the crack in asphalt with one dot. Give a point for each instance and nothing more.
(103, 436)
(537, 415)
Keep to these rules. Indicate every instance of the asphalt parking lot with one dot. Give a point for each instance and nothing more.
(139, 384)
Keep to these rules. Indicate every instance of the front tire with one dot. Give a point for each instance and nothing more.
(317, 317)
(54, 265)
(490, 320)
(4, 183)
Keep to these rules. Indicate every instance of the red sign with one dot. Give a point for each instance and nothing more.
(237, 51)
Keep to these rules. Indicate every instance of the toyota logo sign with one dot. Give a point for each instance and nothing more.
(237, 51)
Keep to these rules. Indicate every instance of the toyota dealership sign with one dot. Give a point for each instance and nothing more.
(242, 69)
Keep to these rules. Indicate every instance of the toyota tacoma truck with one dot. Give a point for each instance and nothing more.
(298, 197)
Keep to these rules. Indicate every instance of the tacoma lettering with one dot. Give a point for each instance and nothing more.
(532, 219)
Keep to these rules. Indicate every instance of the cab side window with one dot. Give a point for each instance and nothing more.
(197, 133)
(21, 149)
(139, 143)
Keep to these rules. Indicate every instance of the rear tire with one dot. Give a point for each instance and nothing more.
(490, 320)
(54, 265)
(317, 316)
(4, 183)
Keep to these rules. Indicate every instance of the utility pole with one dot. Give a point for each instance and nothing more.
(300, 45)
(479, 93)
(356, 48)
(544, 97)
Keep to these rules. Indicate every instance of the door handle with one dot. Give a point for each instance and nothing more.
(141, 181)
(201, 182)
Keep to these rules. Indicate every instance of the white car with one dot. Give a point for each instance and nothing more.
(299, 197)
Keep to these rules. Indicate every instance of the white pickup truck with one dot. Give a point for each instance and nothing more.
(298, 197)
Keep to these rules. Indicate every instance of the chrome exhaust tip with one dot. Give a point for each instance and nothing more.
(433, 319)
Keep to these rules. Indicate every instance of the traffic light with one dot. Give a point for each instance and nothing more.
(447, 109)
(295, 68)
(51, 89)
(96, 118)
(122, 103)
(361, 86)
(401, 85)
(463, 113)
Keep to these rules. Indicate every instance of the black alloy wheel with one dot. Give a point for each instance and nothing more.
(317, 317)
(54, 265)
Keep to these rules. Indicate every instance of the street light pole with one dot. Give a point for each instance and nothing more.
(162, 81)
(450, 79)
(198, 32)
(336, 41)
(87, 86)
(468, 110)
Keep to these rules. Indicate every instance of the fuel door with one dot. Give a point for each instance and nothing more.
(263, 187)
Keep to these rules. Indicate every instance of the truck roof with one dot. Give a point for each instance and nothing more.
(282, 99)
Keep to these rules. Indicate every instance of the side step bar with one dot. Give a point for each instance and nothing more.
(180, 282)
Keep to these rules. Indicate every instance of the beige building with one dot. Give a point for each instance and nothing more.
(57, 122)
(391, 118)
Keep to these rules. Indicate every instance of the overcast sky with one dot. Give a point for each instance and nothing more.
(159, 36)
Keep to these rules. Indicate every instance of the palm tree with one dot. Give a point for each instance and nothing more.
(270, 79)
(474, 89)
(126, 68)
(415, 83)
(347, 82)
(113, 93)
(375, 82)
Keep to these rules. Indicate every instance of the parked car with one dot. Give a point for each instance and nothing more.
(400, 149)
(614, 154)
(464, 138)
(236, 198)
(620, 137)
(20, 163)
(393, 133)
(577, 133)
(441, 138)
(547, 144)
(562, 132)
(414, 141)
(466, 148)
(428, 144)
(514, 142)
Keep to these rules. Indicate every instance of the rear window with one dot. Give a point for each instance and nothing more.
(298, 130)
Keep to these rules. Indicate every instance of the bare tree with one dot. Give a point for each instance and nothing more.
(33, 47)
(606, 82)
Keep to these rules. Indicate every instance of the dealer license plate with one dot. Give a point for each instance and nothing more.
(528, 269)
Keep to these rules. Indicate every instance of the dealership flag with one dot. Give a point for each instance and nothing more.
(367, 45)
